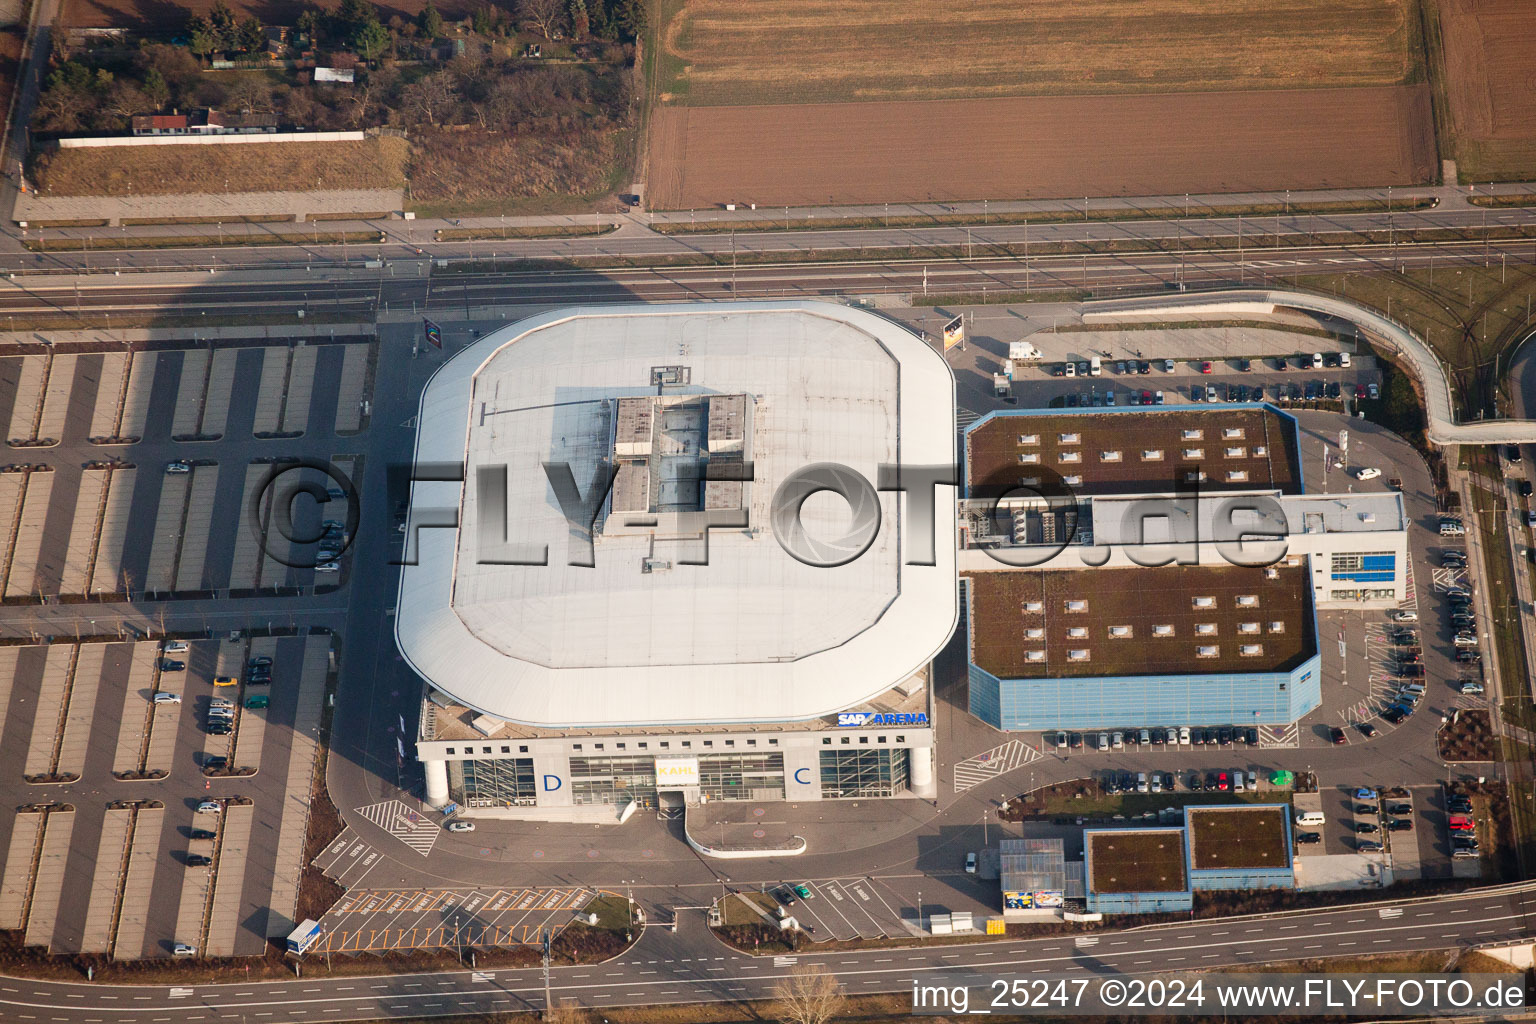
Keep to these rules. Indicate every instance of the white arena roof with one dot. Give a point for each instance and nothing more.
(641, 637)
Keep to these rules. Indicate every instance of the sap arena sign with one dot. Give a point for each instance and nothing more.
(869, 719)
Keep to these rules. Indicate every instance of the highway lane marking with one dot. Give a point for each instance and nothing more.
(932, 967)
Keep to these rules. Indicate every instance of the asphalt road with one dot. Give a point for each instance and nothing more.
(634, 239)
(416, 284)
(690, 966)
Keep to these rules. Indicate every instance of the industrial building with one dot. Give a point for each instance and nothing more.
(1159, 869)
(675, 564)
(1131, 567)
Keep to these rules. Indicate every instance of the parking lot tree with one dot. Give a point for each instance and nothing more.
(226, 31)
(430, 21)
(370, 40)
(809, 995)
(543, 15)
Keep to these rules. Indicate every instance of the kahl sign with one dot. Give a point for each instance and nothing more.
(858, 718)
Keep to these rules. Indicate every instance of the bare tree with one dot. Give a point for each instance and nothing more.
(810, 995)
(544, 15)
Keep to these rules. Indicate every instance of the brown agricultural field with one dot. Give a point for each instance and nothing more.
(178, 170)
(1489, 51)
(944, 150)
(726, 52)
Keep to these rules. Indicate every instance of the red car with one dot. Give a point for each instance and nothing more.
(1205, 367)
(1223, 782)
(1338, 735)
(1359, 390)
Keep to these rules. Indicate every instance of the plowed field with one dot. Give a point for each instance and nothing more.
(1490, 81)
(1024, 147)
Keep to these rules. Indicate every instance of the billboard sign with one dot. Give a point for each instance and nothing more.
(855, 719)
(1048, 898)
(954, 333)
(1018, 900)
(677, 772)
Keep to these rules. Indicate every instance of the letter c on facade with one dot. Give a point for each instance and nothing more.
(799, 780)
(552, 778)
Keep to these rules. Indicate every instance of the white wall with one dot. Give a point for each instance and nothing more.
(209, 140)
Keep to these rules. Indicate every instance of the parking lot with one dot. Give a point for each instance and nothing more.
(110, 716)
(379, 919)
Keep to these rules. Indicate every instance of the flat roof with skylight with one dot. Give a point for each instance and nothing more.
(1140, 621)
(700, 412)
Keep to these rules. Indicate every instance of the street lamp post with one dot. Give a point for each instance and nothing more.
(919, 910)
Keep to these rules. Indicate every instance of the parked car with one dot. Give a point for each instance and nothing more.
(178, 467)
(1224, 737)
(1244, 365)
(1368, 846)
(260, 661)
(216, 763)
(1117, 740)
(1366, 729)
(1400, 825)
(1061, 741)
(1367, 793)
(173, 647)
(167, 665)
(210, 807)
(804, 892)
(461, 826)
(182, 949)
(1184, 735)
(1205, 366)
(225, 681)
(970, 863)
(1337, 734)
(1103, 741)
(1076, 740)
(1141, 782)
(162, 697)
(1373, 391)
(1368, 473)
(202, 833)
(1309, 838)
(1144, 738)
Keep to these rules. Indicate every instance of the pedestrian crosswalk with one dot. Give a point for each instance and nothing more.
(965, 417)
(785, 961)
(973, 771)
(410, 827)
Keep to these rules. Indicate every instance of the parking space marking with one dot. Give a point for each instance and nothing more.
(973, 771)
(349, 396)
(29, 535)
(25, 832)
(165, 542)
(24, 376)
(49, 710)
(198, 528)
(106, 880)
(141, 385)
(111, 377)
(143, 856)
(82, 531)
(189, 393)
(229, 876)
(48, 880)
(410, 827)
(61, 380)
(107, 570)
(243, 569)
(301, 381)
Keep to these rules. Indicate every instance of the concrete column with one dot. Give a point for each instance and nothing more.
(920, 772)
(437, 782)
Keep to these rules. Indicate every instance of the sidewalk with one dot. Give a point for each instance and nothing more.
(294, 206)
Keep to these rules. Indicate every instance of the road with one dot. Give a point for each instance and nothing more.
(400, 240)
(417, 284)
(690, 966)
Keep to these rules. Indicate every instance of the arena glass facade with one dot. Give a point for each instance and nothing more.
(1238, 698)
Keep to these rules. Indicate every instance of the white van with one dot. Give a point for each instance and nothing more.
(1310, 818)
(1237, 782)
(1095, 367)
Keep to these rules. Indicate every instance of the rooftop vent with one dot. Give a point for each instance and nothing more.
(1251, 650)
(1162, 630)
(1208, 652)
(1205, 629)
(1205, 602)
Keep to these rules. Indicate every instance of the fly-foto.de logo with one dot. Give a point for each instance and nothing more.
(854, 719)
